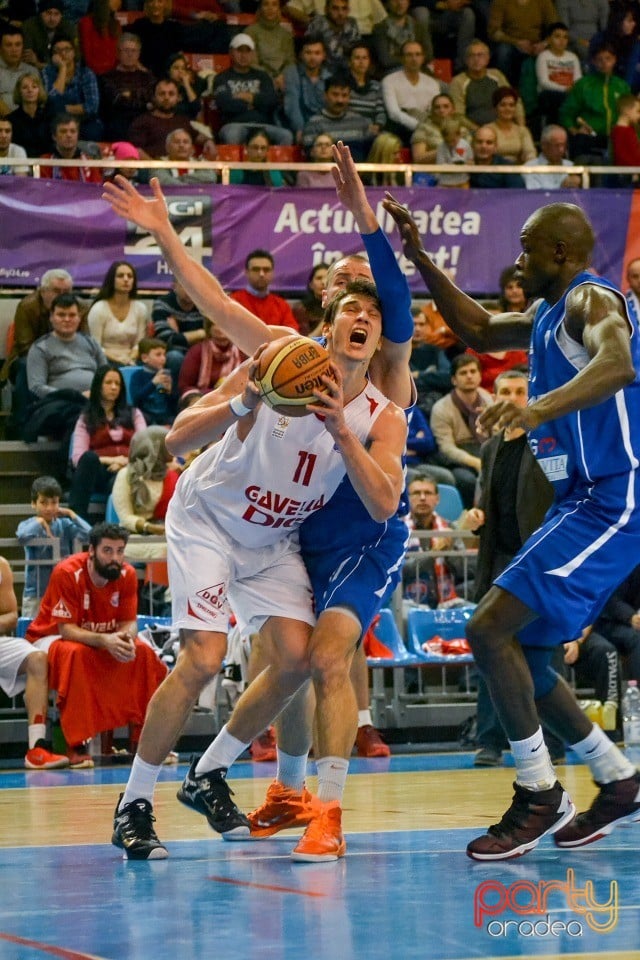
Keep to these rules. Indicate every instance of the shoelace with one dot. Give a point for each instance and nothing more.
(141, 822)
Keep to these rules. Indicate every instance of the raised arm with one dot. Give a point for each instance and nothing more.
(389, 369)
(474, 325)
(241, 326)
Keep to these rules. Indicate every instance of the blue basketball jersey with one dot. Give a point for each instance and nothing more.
(593, 443)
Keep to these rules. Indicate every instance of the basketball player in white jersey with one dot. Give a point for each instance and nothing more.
(229, 530)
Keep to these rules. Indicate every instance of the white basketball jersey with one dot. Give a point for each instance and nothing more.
(261, 489)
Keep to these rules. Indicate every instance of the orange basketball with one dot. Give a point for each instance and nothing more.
(289, 370)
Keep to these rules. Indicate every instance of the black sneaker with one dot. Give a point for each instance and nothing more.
(617, 802)
(133, 832)
(210, 795)
(532, 815)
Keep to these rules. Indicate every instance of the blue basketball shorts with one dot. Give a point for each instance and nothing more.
(362, 579)
(567, 570)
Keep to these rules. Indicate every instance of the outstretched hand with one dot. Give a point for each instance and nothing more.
(149, 213)
(349, 186)
(411, 242)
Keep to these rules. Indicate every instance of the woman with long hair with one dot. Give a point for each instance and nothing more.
(100, 441)
(99, 32)
(142, 490)
(31, 120)
(257, 151)
(73, 88)
(118, 319)
(190, 87)
(386, 148)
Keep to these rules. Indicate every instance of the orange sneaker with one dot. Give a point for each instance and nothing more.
(323, 839)
(39, 758)
(282, 809)
(263, 748)
(369, 743)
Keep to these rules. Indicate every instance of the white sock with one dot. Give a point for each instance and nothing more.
(291, 771)
(364, 718)
(606, 762)
(224, 751)
(141, 783)
(36, 731)
(533, 763)
(332, 778)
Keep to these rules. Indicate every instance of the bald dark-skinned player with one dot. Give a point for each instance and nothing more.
(582, 421)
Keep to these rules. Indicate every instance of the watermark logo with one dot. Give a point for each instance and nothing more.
(532, 903)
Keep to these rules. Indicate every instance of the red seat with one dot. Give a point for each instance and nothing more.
(443, 70)
(229, 151)
(283, 154)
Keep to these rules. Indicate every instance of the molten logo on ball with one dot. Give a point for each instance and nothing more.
(289, 370)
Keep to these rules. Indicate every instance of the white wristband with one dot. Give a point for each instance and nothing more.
(237, 407)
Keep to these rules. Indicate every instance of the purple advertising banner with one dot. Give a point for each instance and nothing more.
(473, 234)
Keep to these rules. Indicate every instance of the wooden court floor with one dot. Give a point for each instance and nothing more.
(404, 890)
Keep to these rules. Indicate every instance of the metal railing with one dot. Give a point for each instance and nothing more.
(406, 170)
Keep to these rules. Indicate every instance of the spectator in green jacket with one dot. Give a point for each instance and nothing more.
(591, 108)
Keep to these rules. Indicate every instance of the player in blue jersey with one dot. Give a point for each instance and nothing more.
(365, 569)
(582, 421)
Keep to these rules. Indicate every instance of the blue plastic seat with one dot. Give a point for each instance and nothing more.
(387, 632)
(127, 373)
(110, 514)
(450, 505)
(424, 623)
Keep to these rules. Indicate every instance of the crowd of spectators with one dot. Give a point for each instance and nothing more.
(76, 75)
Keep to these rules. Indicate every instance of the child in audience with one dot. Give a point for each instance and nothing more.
(51, 521)
(625, 145)
(454, 149)
(151, 387)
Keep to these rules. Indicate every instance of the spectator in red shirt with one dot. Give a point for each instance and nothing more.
(99, 32)
(256, 297)
(104, 676)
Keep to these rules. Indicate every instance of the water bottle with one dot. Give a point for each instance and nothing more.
(631, 714)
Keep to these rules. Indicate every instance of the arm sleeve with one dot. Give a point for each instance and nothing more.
(37, 372)
(393, 289)
(90, 94)
(292, 109)
(79, 440)
(139, 422)
(30, 529)
(121, 496)
(141, 388)
(189, 369)
(392, 106)
(96, 319)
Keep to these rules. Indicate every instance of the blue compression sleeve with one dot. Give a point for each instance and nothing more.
(393, 289)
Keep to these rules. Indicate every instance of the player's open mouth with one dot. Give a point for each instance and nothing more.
(358, 335)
